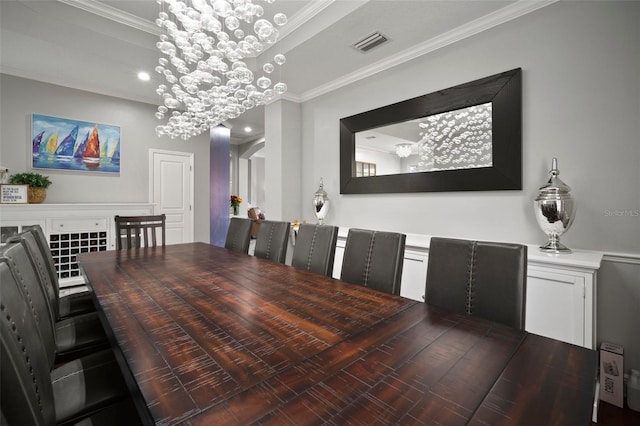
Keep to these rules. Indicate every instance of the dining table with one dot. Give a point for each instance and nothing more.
(209, 336)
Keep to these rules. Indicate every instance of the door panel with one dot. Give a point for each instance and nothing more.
(555, 305)
(172, 192)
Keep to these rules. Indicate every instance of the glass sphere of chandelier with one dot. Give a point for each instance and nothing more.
(204, 77)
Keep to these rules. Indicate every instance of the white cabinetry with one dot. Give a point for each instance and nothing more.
(71, 229)
(561, 289)
(555, 305)
(561, 295)
(414, 275)
(337, 260)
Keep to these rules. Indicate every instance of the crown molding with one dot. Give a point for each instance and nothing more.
(308, 12)
(300, 18)
(303, 16)
(472, 28)
(113, 14)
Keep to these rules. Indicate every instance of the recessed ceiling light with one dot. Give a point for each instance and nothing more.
(247, 129)
(144, 76)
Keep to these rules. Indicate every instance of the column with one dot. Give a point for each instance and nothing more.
(220, 142)
(283, 172)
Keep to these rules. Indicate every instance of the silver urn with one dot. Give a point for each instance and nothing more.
(555, 210)
(320, 203)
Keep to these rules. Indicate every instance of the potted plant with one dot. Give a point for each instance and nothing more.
(38, 185)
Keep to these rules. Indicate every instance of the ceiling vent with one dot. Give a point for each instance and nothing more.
(369, 42)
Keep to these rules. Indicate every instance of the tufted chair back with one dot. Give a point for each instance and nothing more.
(374, 259)
(481, 278)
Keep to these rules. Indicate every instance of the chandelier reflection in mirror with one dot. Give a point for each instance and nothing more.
(204, 77)
(460, 139)
(403, 150)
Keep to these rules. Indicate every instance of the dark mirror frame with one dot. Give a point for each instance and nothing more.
(503, 90)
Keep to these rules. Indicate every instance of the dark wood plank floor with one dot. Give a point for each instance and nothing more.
(610, 415)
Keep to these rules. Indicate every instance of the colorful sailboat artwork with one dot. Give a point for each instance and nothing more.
(114, 152)
(80, 150)
(52, 144)
(64, 152)
(90, 153)
(91, 156)
(37, 141)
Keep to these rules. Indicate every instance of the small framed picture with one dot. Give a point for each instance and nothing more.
(14, 194)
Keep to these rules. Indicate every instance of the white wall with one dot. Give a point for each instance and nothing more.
(22, 97)
(386, 164)
(252, 176)
(257, 181)
(581, 104)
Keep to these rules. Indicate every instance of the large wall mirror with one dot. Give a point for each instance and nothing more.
(464, 138)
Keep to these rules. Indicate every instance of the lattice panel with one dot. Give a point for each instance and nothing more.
(65, 248)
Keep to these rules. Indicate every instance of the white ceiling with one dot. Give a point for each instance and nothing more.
(100, 46)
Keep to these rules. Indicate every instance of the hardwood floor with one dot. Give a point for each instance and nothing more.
(610, 415)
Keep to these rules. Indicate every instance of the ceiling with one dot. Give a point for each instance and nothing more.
(100, 46)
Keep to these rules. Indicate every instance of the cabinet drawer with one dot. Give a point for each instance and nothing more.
(79, 224)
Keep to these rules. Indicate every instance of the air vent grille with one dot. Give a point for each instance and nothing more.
(369, 42)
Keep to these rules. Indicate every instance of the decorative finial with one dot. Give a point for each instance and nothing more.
(554, 167)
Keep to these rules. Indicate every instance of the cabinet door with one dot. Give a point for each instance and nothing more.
(337, 260)
(414, 276)
(555, 305)
(10, 228)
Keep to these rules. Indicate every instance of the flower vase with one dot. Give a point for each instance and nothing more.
(235, 210)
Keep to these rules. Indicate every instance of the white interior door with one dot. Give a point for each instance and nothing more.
(172, 192)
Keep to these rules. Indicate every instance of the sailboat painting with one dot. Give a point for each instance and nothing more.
(65, 144)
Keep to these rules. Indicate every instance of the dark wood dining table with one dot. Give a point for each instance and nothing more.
(208, 336)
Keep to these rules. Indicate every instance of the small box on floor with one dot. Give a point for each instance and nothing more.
(611, 374)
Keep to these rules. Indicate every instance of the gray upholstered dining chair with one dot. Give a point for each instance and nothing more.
(238, 235)
(272, 241)
(315, 248)
(487, 279)
(68, 305)
(131, 231)
(35, 393)
(374, 259)
(67, 338)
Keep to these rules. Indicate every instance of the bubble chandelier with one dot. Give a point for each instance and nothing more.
(204, 77)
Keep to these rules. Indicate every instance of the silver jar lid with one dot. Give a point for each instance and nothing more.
(555, 185)
(321, 192)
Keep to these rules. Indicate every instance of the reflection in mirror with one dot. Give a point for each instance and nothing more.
(464, 138)
(452, 140)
